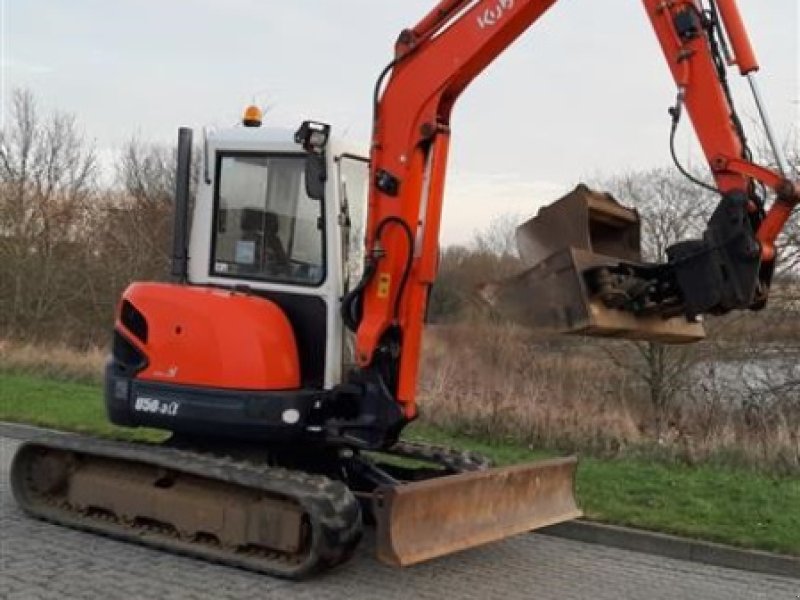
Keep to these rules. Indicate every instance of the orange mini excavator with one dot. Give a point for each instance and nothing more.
(284, 357)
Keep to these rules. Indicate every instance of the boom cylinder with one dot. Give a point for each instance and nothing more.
(744, 56)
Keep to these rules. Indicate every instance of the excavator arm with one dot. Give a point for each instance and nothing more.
(435, 61)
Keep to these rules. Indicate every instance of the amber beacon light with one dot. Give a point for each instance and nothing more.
(252, 116)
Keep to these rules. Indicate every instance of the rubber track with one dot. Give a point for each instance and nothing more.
(452, 459)
(334, 512)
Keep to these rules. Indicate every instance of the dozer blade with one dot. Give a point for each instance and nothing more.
(422, 520)
(581, 232)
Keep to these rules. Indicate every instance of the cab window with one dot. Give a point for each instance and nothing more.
(266, 227)
(353, 181)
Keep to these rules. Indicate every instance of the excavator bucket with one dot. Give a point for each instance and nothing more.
(422, 520)
(580, 232)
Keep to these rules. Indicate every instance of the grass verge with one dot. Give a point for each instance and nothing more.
(738, 507)
(68, 406)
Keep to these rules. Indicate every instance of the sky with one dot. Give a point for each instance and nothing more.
(583, 94)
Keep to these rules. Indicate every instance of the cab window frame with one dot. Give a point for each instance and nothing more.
(220, 155)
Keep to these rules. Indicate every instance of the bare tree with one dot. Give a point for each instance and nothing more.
(47, 179)
(788, 264)
(132, 224)
(671, 209)
(68, 248)
(499, 236)
(146, 173)
(490, 255)
(140, 231)
(789, 258)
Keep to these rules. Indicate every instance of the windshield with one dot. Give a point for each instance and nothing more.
(266, 227)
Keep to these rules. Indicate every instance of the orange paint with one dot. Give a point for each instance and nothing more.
(211, 337)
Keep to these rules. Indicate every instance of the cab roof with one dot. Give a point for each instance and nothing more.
(273, 139)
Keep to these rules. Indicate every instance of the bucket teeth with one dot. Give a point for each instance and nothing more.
(583, 236)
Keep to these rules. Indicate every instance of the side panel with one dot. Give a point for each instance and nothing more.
(209, 337)
(308, 316)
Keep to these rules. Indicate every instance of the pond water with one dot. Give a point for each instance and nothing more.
(751, 379)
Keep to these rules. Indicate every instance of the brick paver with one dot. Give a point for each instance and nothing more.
(40, 561)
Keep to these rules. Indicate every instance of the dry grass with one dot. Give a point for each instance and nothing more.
(53, 361)
(498, 381)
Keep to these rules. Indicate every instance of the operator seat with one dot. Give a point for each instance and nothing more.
(274, 252)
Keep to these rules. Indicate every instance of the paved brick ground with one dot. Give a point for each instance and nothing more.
(39, 561)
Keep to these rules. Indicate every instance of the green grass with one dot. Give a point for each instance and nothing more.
(500, 453)
(62, 405)
(738, 507)
(731, 506)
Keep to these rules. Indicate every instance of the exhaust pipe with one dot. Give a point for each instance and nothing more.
(183, 178)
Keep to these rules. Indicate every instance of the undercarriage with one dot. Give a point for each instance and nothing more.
(284, 514)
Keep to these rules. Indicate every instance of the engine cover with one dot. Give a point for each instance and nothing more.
(208, 337)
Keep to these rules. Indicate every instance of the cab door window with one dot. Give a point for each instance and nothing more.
(266, 227)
